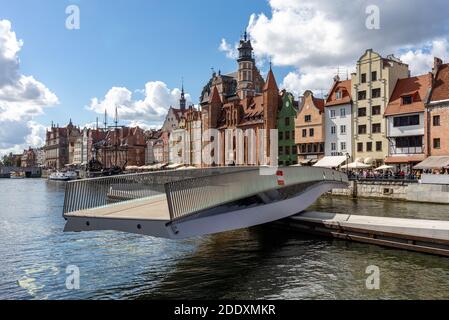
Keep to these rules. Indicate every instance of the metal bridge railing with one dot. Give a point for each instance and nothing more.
(190, 196)
(99, 192)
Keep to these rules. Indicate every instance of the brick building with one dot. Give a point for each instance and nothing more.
(123, 147)
(437, 112)
(244, 103)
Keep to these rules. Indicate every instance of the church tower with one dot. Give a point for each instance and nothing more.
(245, 81)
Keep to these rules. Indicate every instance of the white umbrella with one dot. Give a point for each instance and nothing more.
(384, 167)
(357, 165)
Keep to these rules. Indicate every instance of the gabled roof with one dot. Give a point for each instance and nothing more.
(345, 88)
(417, 87)
(440, 89)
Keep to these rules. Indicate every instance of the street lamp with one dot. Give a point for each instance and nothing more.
(347, 163)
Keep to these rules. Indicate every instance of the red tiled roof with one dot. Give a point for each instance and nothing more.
(319, 104)
(345, 88)
(441, 86)
(418, 87)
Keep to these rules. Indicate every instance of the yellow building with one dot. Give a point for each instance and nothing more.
(372, 86)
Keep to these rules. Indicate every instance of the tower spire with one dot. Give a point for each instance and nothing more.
(182, 101)
(105, 119)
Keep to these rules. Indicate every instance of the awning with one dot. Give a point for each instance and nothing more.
(384, 167)
(331, 162)
(405, 159)
(433, 163)
(358, 165)
(175, 166)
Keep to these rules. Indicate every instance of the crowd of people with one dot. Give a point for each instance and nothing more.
(367, 174)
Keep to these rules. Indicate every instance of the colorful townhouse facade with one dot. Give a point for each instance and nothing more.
(437, 112)
(372, 85)
(405, 115)
(338, 120)
(286, 130)
(309, 129)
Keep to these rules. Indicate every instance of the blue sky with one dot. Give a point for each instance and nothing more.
(123, 43)
(133, 54)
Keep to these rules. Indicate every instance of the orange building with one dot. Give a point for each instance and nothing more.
(309, 132)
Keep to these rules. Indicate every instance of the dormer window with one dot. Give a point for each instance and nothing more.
(407, 100)
(339, 95)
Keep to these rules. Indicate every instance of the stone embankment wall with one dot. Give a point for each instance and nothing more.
(431, 193)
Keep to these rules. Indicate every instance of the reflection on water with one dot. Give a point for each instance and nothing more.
(256, 263)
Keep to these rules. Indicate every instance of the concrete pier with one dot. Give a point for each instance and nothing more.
(426, 236)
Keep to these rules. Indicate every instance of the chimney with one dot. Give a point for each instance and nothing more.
(437, 62)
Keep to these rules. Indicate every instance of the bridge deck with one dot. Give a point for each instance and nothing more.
(154, 209)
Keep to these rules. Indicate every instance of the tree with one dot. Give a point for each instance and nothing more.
(8, 160)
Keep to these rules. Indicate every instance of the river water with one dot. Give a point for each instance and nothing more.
(257, 263)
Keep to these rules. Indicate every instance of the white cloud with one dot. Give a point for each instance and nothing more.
(231, 51)
(17, 136)
(421, 60)
(21, 97)
(312, 36)
(151, 109)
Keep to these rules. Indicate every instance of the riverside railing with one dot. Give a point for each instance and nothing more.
(99, 192)
(190, 196)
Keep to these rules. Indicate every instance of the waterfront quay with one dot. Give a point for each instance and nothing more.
(257, 263)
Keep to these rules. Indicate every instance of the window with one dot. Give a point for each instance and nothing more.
(312, 132)
(363, 77)
(343, 129)
(375, 93)
(287, 151)
(294, 150)
(409, 142)
(362, 95)
(333, 130)
(360, 147)
(333, 146)
(343, 112)
(376, 128)
(379, 146)
(362, 129)
(436, 121)
(308, 118)
(376, 110)
(338, 95)
(369, 146)
(287, 121)
(281, 135)
(304, 133)
(407, 100)
(406, 121)
(437, 143)
(374, 76)
(361, 112)
(343, 146)
(281, 151)
(287, 135)
(333, 113)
